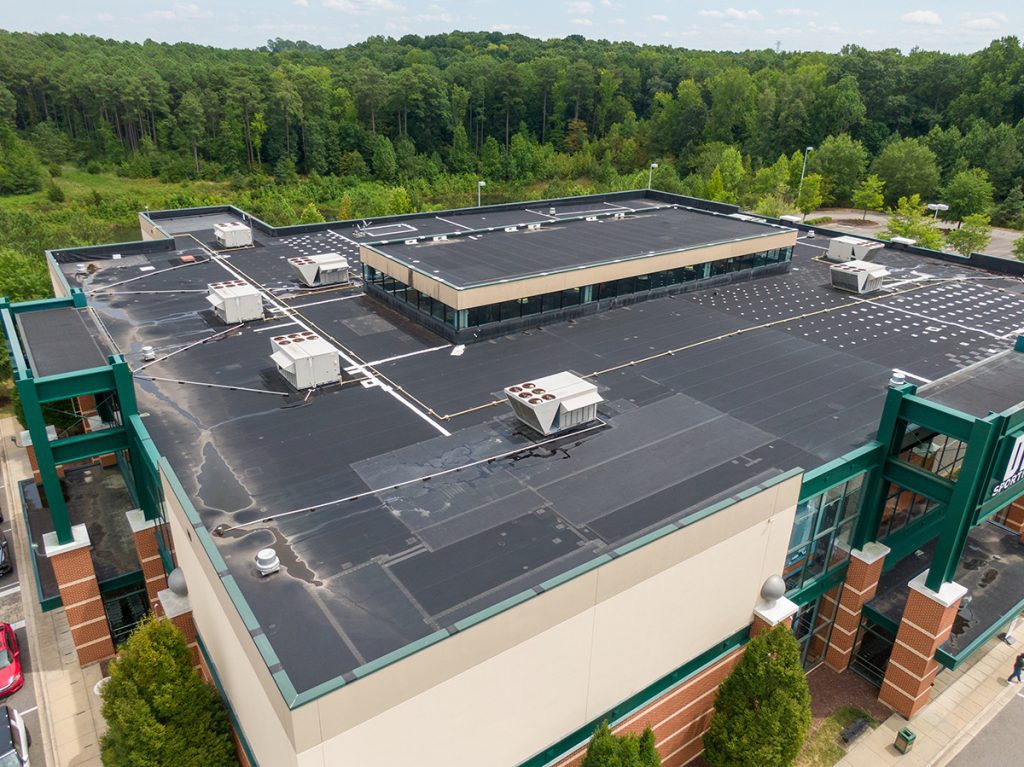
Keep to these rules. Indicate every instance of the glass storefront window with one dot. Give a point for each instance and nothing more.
(820, 540)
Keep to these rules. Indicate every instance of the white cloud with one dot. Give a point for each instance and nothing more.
(732, 13)
(617, 21)
(181, 12)
(362, 7)
(795, 12)
(607, 3)
(104, 17)
(584, 22)
(930, 18)
(658, 17)
(580, 7)
(301, 3)
(984, 21)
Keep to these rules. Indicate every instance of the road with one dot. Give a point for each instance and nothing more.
(1001, 741)
(24, 700)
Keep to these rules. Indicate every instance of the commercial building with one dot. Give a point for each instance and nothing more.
(392, 548)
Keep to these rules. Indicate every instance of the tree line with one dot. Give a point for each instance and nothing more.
(508, 108)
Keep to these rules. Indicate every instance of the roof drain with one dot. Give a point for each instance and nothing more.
(267, 562)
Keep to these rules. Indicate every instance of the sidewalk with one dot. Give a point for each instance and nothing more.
(69, 715)
(963, 701)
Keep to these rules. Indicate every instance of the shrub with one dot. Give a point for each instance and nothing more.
(609, 750)
(54, 193)
(159, 712)
(763, 709)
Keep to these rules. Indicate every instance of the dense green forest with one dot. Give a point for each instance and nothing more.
(296, 132)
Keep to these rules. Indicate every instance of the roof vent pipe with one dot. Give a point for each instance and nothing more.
(267, 562)
(148, 353)
(897, 380)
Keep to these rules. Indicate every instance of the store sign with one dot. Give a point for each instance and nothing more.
(1014, 467)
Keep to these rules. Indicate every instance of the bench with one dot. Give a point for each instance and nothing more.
(854, 729)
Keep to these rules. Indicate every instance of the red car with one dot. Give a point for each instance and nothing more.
(11, 678)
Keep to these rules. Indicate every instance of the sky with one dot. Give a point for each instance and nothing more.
(933, 24)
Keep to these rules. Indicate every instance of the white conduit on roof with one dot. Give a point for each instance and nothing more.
(320, 506)
(102, 288)
(189, 346)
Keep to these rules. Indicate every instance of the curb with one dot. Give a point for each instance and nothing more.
(986, 715)
(28, 604)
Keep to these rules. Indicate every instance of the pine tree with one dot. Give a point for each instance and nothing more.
(763, 709)
(159, 712)
(609, 750)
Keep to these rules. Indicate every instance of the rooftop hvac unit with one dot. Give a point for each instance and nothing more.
(851, 248)
(324, 269)
(790, 219)
(858, 276)
(235, 301)
(554, 403)
(233, 234)
(305, 359)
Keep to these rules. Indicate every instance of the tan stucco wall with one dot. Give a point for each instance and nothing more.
(500, 691)
(149, 230)
(575, 278)
(58, 287)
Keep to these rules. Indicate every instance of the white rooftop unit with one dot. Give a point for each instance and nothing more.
(235, 301)
(790, 219)
(851, 248)
(305, 359)
(554, 403)
(324, 269)
(858, 276)
(233, 234)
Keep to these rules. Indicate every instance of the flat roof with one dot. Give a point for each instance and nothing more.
(61, 341)
(483, 258)
(706, 395)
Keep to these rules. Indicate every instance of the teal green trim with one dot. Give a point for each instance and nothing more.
(43, 304)
(936, 417)
(815, 588)
(55, 270)
(568, 575)
(179, 492)
(50, 603)
(239, 732)
(44, 459)
(999, 502)
(402, 652)
(503, 605)
(286, 688)
(953, 661)
(919, 480)
(645, 539)
(134, 578)
(76, 384)
(266, 650)
(45, 603)
(842, 469)
(244, 611)
(912, 537)
(887, 623)
(972, 481)
(890, 435)
(778, 479)
(14, 349)
(631, 705)
(88, 445)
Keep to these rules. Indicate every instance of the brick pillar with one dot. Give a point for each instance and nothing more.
(25, 440)
(859, 588)
(80, 593)
(177, 608)
(926, 623)
(1015, 517)
(148, 552)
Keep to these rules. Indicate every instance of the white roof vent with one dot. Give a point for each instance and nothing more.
(441, 238)
(533, 226)
(903, 241)
(511, 228)
(858, 276)
(411, 242)
(267, 562)
(305, 359)
(851, 248)
(554, 403)
(591, 218)
(148, 354)
(235, 301)
(322, 269)
(233, 234)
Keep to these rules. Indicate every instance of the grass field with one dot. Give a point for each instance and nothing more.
(823, 748)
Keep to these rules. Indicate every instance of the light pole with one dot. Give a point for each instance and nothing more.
(479, 186)
(937, 207)
(803, 170)
(650, 174)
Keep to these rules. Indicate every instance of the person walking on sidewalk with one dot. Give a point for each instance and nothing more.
(1018, 666)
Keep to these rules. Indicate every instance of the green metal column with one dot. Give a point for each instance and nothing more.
(959, 515)
(891, 430)
(44, 458)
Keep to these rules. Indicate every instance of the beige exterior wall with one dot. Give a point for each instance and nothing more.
(574, 278)
(58, 287)
(150, 231)
(511, 685)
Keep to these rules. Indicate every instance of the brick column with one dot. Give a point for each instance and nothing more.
(926, 624)
(148, 552)
(769, 613)
(1015, 517)
(859, 588)
(177, 608)
(80, 593)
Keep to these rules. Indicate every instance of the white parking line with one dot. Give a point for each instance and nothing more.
(18, 625)
(28, 711)
(9, 591)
